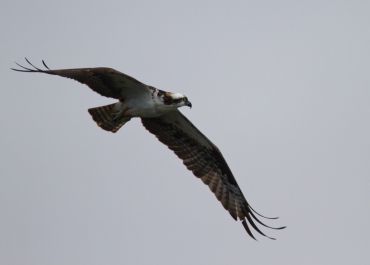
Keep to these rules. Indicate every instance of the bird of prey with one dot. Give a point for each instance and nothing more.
(159, 114)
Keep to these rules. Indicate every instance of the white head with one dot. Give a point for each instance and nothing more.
(175, 99)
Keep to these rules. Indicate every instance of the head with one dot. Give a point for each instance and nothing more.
(176, 99)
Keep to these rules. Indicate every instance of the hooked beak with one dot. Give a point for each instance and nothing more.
(188, 103)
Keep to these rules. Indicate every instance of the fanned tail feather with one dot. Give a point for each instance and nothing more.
(106, 119)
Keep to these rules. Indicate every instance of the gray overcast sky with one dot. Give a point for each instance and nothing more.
(281, 87)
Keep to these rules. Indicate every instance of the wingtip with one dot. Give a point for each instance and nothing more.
(261, 223)
(43, 62)
(256, 227)
(31, 68)
(246, 227)
(261, 215)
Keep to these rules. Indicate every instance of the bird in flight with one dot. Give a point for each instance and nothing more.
(159, 114)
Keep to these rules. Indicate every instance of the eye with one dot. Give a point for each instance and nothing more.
(160, 92)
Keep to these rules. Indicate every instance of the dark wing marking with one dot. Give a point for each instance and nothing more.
(105, 81)
(206, 162)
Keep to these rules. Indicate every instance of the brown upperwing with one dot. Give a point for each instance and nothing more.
(206, 162)
(106, 81)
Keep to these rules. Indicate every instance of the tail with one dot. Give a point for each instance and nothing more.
(107, 119)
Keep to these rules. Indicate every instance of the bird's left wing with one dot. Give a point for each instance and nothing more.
(206, 162)
(106, 81)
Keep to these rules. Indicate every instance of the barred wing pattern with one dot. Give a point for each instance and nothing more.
(206, 162)
(173, 129)
(106, 81)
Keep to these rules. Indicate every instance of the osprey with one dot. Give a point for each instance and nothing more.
(159, 114)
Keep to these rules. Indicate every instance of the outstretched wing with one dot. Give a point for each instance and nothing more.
(105, 81)
(206, 162)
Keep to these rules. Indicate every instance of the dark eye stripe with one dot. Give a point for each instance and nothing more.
(160, 92)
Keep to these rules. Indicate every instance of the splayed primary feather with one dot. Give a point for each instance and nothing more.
(158, 110)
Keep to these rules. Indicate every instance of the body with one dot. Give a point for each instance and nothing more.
(155, 104)
(159, 114)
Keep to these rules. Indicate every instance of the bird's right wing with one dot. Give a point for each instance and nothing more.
(206, 162)
(107, 82)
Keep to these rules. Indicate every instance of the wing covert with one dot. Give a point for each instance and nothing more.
(206, 162)
(106, 81)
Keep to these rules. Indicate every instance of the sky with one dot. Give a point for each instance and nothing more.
(281, 87)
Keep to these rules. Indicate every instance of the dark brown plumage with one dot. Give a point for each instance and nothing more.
(207, 163)
(172, 128)
(106, 81)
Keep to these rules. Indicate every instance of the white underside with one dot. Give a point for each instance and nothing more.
(147, 107)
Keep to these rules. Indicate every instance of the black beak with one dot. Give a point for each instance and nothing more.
(188, 103)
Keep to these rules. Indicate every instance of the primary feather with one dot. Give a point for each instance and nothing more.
(159, 113)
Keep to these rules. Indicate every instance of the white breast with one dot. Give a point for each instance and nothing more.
(147, 107)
